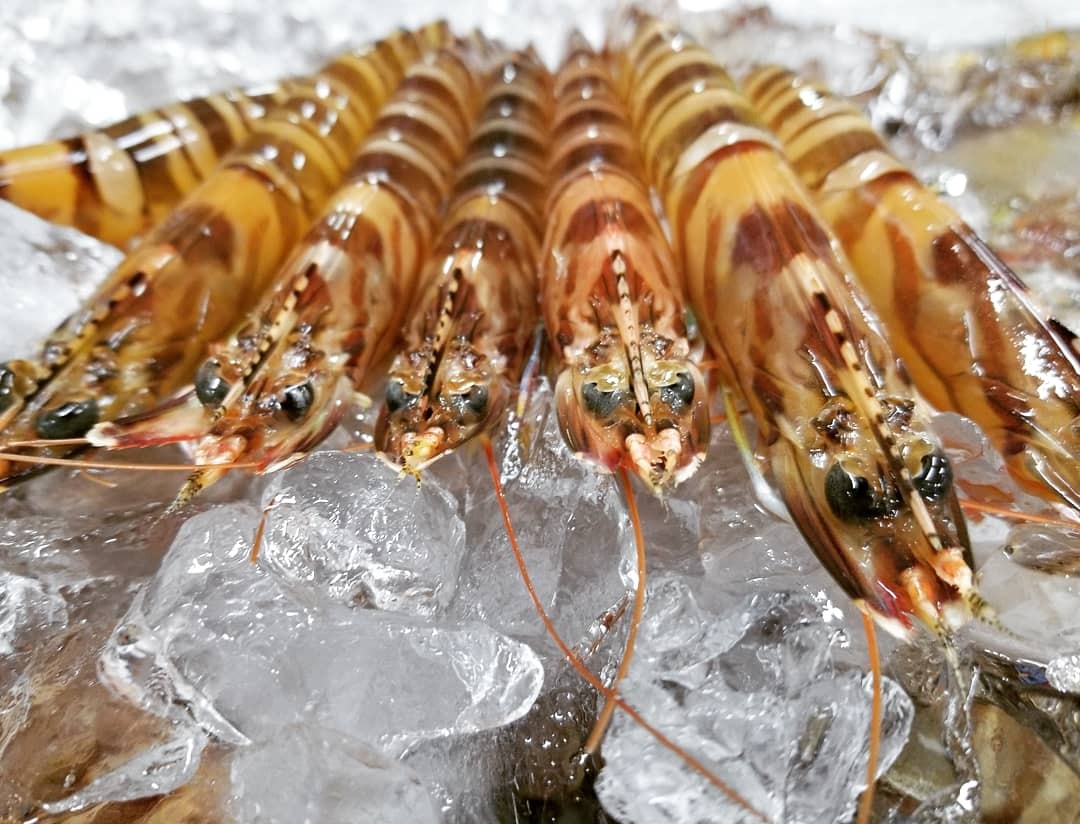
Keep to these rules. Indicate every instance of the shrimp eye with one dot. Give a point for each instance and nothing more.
(850, 497)
(296, 400)
(680, 393)
(935, 477)
(210, 387)
(599, 402)
(397, 398)
(475, 400)
(68, 420)
(7, 387)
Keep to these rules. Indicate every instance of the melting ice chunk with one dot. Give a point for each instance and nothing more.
(309, 773)
(571, 522)
(351, 526)
(749, 686)
(45, 273)
(156, 771)
(229, 636)
(26, 604)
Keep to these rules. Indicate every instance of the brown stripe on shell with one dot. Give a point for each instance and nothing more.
(213, 123)
(816, 164)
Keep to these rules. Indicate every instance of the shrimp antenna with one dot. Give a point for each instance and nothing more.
(992, 509)
(75, 463)
(42, 442)
(602, 721)
(866, 803)
(579, 666)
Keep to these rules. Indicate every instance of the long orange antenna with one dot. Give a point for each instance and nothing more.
(253, 555)
(47, 442)
(866, 803)
(584, 672)
(1002, 512)
(77, 464)
(598, 730)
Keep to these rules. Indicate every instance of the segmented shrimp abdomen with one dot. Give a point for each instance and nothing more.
(117, 182)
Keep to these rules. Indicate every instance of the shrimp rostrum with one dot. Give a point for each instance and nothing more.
(841, 434)
(280, 383)
(961, 321)
(467, 337)
(629, 393)
(141, 335)
(118, 181)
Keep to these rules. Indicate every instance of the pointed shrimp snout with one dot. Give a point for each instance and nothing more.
(419, 449)
(656, 458)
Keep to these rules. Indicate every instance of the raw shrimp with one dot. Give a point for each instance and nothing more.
(961, 321)
(629, 393)
(281, 382)
(467, 339)
(841, 433)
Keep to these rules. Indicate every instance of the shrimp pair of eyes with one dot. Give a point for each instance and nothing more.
(294, 401)
(602, 401)
(472, 402)
(852, 497)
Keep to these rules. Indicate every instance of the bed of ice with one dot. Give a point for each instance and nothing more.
(380, 660)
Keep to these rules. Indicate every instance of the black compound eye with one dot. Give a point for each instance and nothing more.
(599, 402)
(680, 393)
(296, 400)
(850, 497)
(68, 420)
(935, 477)
(397, 398)
(7, 387)
(475, 400)
(210, 387)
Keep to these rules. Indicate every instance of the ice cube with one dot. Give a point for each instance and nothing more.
(364, 533)
(45, 273)
(750, 687)
(1063, 673)
(571, 523)
(1033, 603)
(226, 633)
(308, 773)
(27, 605)
(156, 771)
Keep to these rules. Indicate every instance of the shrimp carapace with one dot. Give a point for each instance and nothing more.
(118, 181)
(281, 383)
(466, 341)
(629, 392)
(142, 334)
(841, 433)
(961, 321)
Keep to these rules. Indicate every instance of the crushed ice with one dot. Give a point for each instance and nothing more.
(747, 685)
